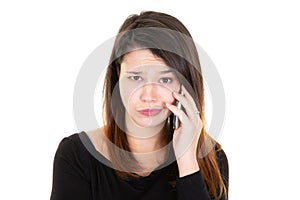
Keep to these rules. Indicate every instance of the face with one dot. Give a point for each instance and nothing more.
(146, 85)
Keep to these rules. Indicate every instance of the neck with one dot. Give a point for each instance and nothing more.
(144, 139)
(145, 145)
(148, 152)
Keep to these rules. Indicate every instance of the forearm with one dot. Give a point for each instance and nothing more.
(190, 183)
(192, 187)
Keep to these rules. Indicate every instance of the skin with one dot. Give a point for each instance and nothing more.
(143, 84)
(185, 139)
(146, 82)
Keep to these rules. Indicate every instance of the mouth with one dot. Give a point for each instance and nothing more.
(150, 112)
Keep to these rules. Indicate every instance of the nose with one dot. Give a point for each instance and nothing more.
(149, 93)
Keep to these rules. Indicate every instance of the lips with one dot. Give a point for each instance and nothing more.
(150, 112)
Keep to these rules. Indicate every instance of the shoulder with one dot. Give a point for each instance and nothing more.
(84, 146)
(75, 142)
(99, 141)
(223, 164)
(69, 147)
(221, 155)
(71, 159)
(69, 143)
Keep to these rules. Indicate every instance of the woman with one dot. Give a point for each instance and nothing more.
(154, 143)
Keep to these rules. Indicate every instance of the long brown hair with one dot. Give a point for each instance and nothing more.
(155, 31)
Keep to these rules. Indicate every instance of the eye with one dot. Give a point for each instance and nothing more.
(135, 78)
(165, 80)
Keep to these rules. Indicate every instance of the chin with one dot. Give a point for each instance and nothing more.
(149, 122)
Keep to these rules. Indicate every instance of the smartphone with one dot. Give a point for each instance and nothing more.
(176, 121)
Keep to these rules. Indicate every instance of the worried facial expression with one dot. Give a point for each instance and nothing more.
(146, 85)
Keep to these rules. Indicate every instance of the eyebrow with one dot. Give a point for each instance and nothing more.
(140, 72)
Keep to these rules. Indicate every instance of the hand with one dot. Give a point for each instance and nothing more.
(186, 136)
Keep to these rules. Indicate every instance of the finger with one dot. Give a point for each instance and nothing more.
(181, 98)
(178, 112)
(185, 103)
(191, 101)
(189, 97)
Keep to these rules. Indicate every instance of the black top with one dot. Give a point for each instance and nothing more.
(79, 175)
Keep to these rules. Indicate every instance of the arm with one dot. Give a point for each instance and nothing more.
(69, 181)
(192, 186)
(190, 183)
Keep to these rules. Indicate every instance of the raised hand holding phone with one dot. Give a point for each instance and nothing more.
(186, 136)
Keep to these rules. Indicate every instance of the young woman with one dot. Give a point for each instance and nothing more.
(154, 143)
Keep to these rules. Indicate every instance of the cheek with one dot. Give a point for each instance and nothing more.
(124, 92)
(129, 93)
(166, 96)
(169, 97)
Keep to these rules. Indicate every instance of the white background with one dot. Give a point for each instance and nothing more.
(254, 45)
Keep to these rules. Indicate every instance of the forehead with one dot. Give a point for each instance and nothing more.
(139, 58)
